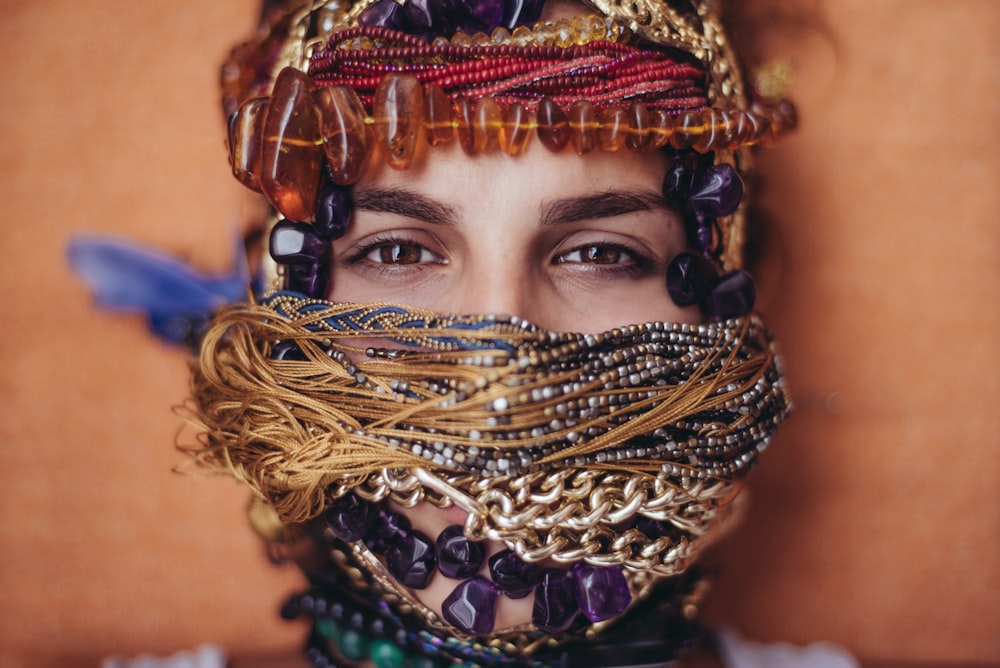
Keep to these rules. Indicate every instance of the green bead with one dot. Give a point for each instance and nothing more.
(385, 654)
(353, 645)
(328, 628)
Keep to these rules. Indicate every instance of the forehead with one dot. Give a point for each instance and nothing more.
(538, 175)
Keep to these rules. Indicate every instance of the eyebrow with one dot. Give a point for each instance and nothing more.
(603, 205)
(404, 203)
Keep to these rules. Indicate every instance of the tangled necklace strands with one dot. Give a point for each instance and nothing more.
(564, 356)
(435, 391)
(290, 427)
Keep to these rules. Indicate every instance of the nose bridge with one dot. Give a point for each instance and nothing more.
(497, 283)
(495, 277)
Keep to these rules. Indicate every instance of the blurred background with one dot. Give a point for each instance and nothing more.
(874, 519)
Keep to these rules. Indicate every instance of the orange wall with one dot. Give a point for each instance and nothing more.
(874, 519)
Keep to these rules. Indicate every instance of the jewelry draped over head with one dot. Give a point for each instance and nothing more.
(327, 85)
(603, 463)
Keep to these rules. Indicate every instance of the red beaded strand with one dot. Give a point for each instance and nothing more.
(601, 95)
(604, 72)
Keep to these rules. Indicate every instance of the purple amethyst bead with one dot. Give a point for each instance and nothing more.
(555, 605)
(296, 243)
(471, 607)
(483, 15)
(458, 557)
(383, 14)
(333, 210)
(654, 529)
(733, 296)
(601, 591)
(287, 350)
(521, 12)
(514, 577)
(682, 175)
(442, 15)
(386, 527)
(690, 278)
(309, 279)
(716, 192)
(350, 517)
(410, 559)
(419, 16)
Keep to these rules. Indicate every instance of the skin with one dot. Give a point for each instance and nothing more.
(568, 243)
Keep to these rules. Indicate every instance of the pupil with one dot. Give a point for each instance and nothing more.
(400, 254)
(603, 255)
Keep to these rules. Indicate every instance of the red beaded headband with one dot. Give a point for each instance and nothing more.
(603, 72)
(599, 94)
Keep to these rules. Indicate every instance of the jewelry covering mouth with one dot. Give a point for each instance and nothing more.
(557, 444)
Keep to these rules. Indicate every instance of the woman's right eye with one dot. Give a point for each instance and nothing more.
(399, 253)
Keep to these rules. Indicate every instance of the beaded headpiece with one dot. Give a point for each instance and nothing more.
(602, 463)
(327, 84)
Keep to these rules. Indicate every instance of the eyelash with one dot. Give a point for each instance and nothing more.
(635, 263)
(360, 253)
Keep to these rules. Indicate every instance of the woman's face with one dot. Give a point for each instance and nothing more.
(569, 243)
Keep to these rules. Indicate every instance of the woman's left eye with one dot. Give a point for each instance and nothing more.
(596, 254)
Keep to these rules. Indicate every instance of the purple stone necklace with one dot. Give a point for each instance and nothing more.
(599, 593)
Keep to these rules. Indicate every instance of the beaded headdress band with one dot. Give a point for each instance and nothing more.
(602, 463)
(327, 85)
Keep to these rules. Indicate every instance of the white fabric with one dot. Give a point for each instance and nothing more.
(737, 652)
(206, 656)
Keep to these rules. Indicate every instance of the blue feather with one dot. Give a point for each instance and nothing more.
(176, 300)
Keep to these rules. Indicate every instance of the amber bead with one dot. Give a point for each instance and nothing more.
(583, 127)
(245, 128)
(712, 136)
(760, 126)
(522, 36)
(291, 156)
(739, 128)
(661, 128)
(500, 35)
(638, 127)
(346, 139)
(687, 130)
(553, 125)
(613, 129)
(463, 111)
(398, 113)
(516, 129)
(486, 128)
(438, 128)
(588, 28)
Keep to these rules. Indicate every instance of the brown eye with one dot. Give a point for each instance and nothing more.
(602, 255)
(401, 254)
(597, 254)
